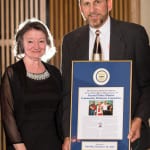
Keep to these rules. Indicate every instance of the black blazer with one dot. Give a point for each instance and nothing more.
(12, 104)
(128, 41)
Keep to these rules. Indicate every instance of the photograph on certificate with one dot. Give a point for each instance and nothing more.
(100, 113)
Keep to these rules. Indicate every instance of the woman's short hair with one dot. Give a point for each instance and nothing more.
(26, 26)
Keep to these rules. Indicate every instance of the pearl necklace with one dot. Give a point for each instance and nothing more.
(40, 76)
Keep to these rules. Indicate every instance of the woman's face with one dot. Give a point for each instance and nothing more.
(34, 43)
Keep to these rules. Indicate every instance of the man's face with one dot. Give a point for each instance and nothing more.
(95, 11)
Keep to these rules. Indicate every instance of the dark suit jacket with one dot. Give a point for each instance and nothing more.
(128, 41)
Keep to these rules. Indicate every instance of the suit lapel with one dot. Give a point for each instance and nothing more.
(117, 41)
(82, 44)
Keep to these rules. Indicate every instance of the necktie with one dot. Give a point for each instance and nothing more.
(97, 55)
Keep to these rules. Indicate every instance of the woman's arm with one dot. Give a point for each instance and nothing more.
(7, 108)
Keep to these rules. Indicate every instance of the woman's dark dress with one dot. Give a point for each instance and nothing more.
(37, 109)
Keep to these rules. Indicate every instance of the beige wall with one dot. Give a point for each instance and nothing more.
(145, 15)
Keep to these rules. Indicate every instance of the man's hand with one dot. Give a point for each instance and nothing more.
(135, 130)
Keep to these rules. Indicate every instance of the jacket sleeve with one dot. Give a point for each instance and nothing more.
(66, 76)
(142, 71)
(7, 109)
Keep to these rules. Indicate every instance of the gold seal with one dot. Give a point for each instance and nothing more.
(101, 76)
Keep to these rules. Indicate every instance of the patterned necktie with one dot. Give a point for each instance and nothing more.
(97, 55)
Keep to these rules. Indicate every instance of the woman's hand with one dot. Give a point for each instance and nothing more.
(19, 146)
(66, 144)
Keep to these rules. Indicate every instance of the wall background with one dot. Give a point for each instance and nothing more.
(144, 15)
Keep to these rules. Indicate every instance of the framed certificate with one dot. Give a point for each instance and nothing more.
(100, 108)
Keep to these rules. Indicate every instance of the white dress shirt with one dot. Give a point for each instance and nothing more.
(104, 40)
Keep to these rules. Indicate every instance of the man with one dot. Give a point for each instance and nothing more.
(92, 109)
(119, 41)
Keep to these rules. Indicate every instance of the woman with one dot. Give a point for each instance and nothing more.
(31, 93)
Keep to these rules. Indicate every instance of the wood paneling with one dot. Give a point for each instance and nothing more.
(64, 17)
(135, 11)
(121, 9)
(12, 13)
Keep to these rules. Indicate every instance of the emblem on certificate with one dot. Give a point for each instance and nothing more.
(101, 76)
(100, 112)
